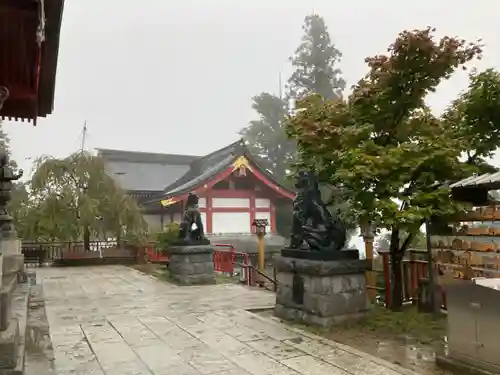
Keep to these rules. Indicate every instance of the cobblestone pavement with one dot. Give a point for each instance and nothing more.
(118, 321)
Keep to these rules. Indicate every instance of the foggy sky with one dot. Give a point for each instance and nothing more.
(178, 76)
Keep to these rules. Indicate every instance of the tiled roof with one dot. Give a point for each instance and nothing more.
(200, 166)
(209, 172)
(171, 175)
(142, 171)
(491, 180)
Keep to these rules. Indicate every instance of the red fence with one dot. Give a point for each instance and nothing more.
(226, 260)
(413, 271)
(154, 254)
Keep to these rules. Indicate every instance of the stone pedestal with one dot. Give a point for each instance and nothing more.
(191, 265)
(321, 292)
(12, 273)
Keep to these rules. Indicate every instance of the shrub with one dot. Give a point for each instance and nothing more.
(168, 235)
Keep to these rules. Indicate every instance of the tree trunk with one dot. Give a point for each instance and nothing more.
(86, 238)
(396, 257)
(119, 238)
(396, 281)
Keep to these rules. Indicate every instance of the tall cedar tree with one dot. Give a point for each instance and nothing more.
(384, 146)
(314, 63)
(316, 71)
(267, 138)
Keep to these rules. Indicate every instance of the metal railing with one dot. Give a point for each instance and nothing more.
(259, 278)
(229, 259)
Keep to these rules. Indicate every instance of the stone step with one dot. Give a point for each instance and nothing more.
(20, 301)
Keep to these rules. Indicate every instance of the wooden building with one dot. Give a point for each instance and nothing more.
(29, 44)
(234, 190)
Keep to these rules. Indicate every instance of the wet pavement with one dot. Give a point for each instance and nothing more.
(117, 321)
(404, 351)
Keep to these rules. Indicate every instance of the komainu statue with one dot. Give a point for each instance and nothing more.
(313, 227)
(187, 234)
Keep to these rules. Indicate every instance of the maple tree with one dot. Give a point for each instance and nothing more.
(382, 145)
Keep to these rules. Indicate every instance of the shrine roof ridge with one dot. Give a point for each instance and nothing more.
(145, 157)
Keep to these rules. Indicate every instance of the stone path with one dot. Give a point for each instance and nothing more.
(117, 321)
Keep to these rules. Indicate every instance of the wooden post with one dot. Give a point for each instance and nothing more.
(387, 279)
(260, 231)
(371, 277)
(414, 278)
(262, 253)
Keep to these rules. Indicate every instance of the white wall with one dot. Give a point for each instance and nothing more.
(230, 202)
(204, 220)
(202, 203)
(262, 203)
(231, 222)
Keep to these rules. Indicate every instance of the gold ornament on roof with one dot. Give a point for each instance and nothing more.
(241, 162)
(167, 202)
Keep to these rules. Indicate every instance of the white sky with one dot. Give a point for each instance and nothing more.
(177, 77)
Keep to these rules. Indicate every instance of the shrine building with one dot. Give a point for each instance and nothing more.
(234, 190)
